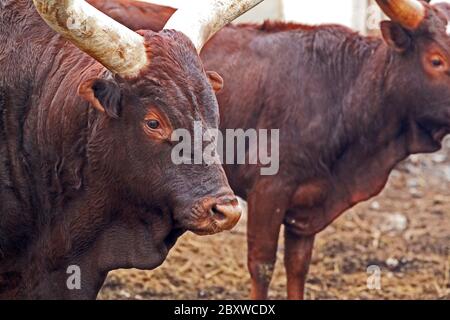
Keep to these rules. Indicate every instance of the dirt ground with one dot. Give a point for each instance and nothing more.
(405, 232)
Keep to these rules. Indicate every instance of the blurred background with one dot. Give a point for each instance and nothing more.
(405, 231)
(361, 15)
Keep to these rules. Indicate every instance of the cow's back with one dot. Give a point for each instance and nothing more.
(279, 79)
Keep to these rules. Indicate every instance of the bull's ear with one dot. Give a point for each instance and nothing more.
(104, 95)
(395, 36)
(216, 80)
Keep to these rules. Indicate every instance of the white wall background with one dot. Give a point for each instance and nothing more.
(351, 13)
(319, 11)
(269, 9)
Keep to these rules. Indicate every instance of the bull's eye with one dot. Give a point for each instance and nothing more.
(153, 124)
(437, 62)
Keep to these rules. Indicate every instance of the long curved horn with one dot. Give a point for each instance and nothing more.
(408, 13)
(200, 21)
(118, 48)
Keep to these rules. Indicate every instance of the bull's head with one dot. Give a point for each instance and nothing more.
(419, 36)
(151, 84)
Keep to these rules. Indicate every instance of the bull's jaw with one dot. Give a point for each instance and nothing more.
(440, 134)
(124, 247)
(422, 139)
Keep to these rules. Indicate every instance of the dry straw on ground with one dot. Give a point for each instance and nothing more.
(405, 231)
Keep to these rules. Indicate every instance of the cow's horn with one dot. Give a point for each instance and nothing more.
(118, 48)
(408, 13)
(202, 19)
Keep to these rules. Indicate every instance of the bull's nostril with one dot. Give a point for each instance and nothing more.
(226, 215)
(217, 214)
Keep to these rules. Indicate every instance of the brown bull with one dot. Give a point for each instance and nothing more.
(87, 183)
(349, 108)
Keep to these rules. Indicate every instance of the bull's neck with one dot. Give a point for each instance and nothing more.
(371, 133)
(48, 128)
(51, 126)
(73, 246)
(370, 120)
(380, 109)
(78, 279)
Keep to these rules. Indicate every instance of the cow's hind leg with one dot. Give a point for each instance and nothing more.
(297, 257)
(266, 214)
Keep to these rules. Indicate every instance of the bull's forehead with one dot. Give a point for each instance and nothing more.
(187, 106)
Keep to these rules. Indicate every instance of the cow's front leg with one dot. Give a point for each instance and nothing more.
(299, 222)
(267, 206)
(297, 258)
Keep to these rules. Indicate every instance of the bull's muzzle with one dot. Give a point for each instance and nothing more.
(220, 214)
(226, 214)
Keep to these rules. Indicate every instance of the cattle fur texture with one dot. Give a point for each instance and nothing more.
(349, 109)
(83, 180)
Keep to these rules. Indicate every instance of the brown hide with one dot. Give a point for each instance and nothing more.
(349, 108)
(86, 178)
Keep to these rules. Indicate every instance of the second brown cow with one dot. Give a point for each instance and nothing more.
(349, 109)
